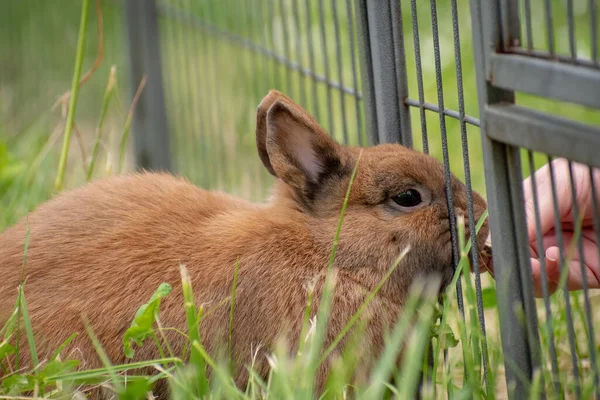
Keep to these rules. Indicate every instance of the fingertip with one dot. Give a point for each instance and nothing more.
(552, 264)
(552, 254)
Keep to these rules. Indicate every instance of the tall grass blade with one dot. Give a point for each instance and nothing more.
(74, 93)
(233, 289)
(223, 375)
(103, 356)
(28, 328)
(196, 356)
(20, 302)
(415, 351)
(99, 133)
(83, 376)
(128, 122)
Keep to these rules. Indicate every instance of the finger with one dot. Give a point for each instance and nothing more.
(533, 249)
(538, 276)
(582, 179)
(545, 203)
(576, 272)
(591, 254)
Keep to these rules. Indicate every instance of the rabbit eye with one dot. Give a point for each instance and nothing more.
(408, 198)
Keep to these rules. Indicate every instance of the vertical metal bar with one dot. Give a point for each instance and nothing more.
(149, 128)
(511, 36)
(299, 53)
(172, 98)
(513, 331)
(588, 308)
(380, 68)
(468, 184)
(401, 76)
(204, 134)
(311, 60)
(198, 146)
(186, 94)
(338, 46)
(596, 225)
(528, 25)
(417, 45)
(510, 24)
(354, 73)
(265, 41)
(445, 153)
(42, 25)
(366, 69)
(222, 152)
(502, 172)
(269, 32)
(255, 72)
(286, 47)
(262, 68)
(544, 275)
(521, 243)
(550, 27)
(330, 127)
(571, 26)
(211, 138)
(568, 312)
(594, 30)
(211, 135)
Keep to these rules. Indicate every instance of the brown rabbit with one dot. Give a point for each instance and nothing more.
(103, 249)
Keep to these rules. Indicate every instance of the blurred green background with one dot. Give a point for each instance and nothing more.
(219, 58)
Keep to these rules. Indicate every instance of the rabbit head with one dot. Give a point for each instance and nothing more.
(398, 198)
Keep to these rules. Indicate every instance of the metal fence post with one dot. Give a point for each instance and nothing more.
(150, 136)
(383, 69)
(516, 308)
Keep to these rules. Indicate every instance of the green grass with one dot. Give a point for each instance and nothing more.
(212, 87)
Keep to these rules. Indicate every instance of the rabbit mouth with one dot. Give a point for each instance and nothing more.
(485, 255)
(484, 251)
(484, 263)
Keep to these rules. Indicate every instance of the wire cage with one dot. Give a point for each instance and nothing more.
(495, 89)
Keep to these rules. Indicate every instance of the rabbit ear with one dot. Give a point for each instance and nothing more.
(261, 126)
(293, 146)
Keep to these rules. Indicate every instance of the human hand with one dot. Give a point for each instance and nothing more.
(551, 255)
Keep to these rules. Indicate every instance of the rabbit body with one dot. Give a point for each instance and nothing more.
(101, 250)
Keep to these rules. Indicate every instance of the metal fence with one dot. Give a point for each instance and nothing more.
(425, 74)
(208, 95)
(510, 59)
(344, 61)
(377, 71)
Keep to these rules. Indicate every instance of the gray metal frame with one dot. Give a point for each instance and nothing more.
(149, 127)
(505, 198)
(385, 86)
(505, 128)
